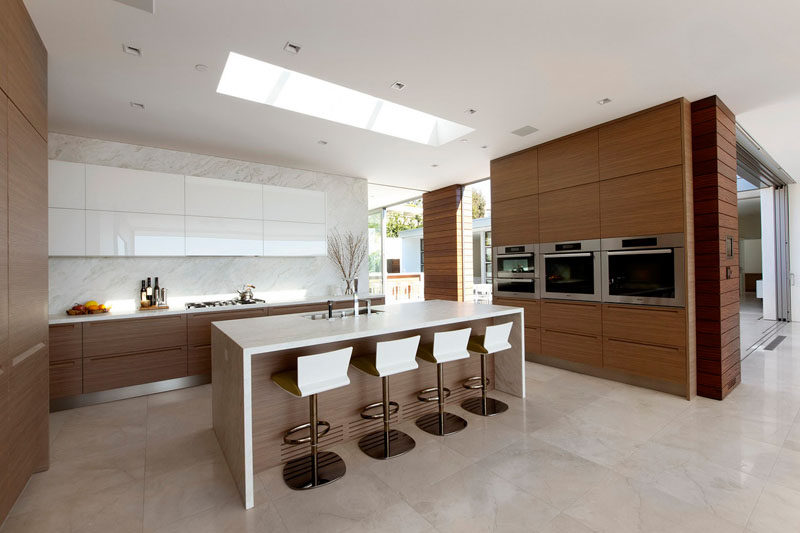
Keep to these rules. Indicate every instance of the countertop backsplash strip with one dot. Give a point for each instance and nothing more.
(117, 280)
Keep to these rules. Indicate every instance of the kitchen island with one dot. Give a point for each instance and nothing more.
(251, 414)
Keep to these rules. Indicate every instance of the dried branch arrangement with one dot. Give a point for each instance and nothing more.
(348, 251)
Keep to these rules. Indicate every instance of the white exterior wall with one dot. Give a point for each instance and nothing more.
(768, 253)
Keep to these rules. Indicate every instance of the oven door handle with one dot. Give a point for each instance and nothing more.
(519, 280)
(580, 254)
(514, 256)
(642, 252)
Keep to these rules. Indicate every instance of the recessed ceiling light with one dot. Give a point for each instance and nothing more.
(524, 130)
(604, 101)
(292, 48)
(471, 111)
(398, 86)
(138, 106)
(258, 81)
(485, 146)
(201, 67)
(464, 140)
(322, 142)
(131, 50)
(434, 165)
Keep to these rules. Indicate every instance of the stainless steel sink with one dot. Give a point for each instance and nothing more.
(339, 313)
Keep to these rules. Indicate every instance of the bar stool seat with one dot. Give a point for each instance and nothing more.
(447, 346)
(314, 374)
(494, 340)
(390, 357)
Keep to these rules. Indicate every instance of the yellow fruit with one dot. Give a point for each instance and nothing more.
(90, 303)
(92, 307)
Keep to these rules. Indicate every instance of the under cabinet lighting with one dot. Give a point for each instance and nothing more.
(251, 79)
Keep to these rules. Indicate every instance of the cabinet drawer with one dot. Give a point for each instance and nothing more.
(532, 313)
(515, 221)
(66, 341)
(113, 371)
(199, 325)
(66, 378)
(134, 335)
(650, 325)
(300, 308)
(578, 317)
(533, 340)
(199, 360)
(666, 363)
(577, 347)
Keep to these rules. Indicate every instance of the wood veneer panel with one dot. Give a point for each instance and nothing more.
(649, 325)
(199, 360)
(292, 309)
(643, 204)
(66, 341)
(199, 324)
(570, 161)
(133, 335)
(570, 214)
(4, 32)
(104, 372)
(7, 498)
(533, 340)
(513, 222)
(532, 313)
(578, 347)
(577, 317)
(448, 236)
(514, 176)
(27, 65)
(66, 378)
(27, 235)
(646, 141)
(666, 363)
(4, 353)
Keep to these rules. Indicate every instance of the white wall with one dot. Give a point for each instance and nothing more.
(794, 249)
(117, 279)
(410, 259)
(768, 254)
(750, 255)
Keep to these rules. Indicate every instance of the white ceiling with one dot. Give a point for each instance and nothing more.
(518, 62)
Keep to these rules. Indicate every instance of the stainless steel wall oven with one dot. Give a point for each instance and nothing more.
(514, 272)
(571, 270)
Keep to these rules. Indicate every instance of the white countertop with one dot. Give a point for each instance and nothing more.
(112, 315)
(273, 333)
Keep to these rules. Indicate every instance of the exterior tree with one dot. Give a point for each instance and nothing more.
(478, 205)
(397, 222)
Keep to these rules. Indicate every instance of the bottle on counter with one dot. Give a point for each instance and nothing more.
(156, 293)
(149, 292)
(143, 293)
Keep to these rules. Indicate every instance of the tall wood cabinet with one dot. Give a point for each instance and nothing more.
(24, 438)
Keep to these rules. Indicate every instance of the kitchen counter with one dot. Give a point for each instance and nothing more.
(250, 413)
(111, 315)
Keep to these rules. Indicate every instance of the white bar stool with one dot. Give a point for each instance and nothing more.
(494, 340)
(314, 374)
(390, 357)
(447, 346)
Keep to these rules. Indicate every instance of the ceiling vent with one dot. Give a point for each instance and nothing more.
(398, 86)
(131, 49)
(145, 5)
(291, 48)
(524, 131)
(138, 106)
(604, 101)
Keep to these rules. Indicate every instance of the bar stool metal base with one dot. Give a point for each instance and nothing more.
(380, 445)
(484, 407)
(446, 425)
(299, 473)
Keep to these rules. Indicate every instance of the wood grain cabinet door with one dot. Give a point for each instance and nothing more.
(199, 360)
(199, 324)
(569, 162)
(66, 378)
(578, 317)
(643, 204)
(4, 354)
(650, 325)
(533, 340)
(6, 497)
(104, 372)
(121, 336)
(514, 176)
(577, 347)
(531, 308)
(515, 221)
(299, 308)
(570, 214)
(66, 341)
(667, 363)
(646, 141)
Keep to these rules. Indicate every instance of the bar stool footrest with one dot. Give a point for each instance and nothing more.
(421, 394)
(304, 440)
(470, 383)
(393, 408)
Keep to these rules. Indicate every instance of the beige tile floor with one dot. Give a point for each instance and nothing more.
(579, 455)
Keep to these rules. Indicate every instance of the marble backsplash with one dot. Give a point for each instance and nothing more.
(117, 279)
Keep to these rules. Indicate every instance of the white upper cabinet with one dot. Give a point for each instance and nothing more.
(67, 230)
(66, 185)
(294, 205)
(134, 234)
(210, 197)
(224, 236)
(294, 239)
(135, 191)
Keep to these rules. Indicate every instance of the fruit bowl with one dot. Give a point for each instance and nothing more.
(89, 308)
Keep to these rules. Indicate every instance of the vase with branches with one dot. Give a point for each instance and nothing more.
(348, 250)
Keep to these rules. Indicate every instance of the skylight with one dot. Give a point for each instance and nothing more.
(258, 81)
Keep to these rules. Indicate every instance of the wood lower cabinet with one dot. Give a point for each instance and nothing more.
(578, 317)
(651, 325)
(298, 308)
(104, 372)
(6, 497)
(199, 362)
(569, 161)
(531, 316)
(581, 348)
(66, 378)
(515, 221)
(514, 176)
(199, 324)
(666, 363)
(533, 340)
(643, 204)
(66, 341)
(133, 335)
(570, 214)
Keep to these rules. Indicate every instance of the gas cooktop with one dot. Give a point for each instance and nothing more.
(222, 303)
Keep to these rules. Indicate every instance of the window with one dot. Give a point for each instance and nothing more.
(422, 255)
(487, 255)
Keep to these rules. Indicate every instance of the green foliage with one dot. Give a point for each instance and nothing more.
(478, 204)
(397, 222)
(375, 261)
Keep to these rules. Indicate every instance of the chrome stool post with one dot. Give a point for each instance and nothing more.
(494, 340)
(317, 468)
(447, 346)
(391, 357)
